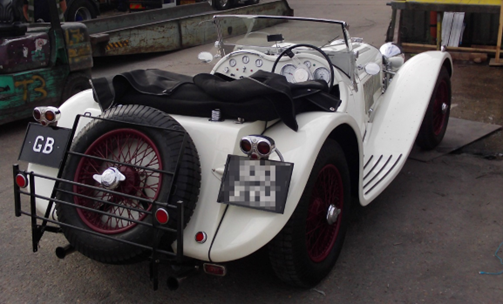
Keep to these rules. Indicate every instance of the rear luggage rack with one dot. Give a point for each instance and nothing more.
(49, 223)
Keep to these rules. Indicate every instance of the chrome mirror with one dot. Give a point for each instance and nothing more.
(205, 57)
(372, 68)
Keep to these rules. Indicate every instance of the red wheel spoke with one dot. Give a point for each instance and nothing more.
(126, 146)
(320, 236)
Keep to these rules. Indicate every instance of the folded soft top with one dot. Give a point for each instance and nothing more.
(262, 96)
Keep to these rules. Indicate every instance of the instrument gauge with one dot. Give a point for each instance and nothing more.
(246, 59)
(259, 62)
(322, 73)
(232, 62)
(288, 71)
(308, 64)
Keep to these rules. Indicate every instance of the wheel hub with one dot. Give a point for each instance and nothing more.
(110, 178)
(332, 214)
(132, 182)
(444, 108)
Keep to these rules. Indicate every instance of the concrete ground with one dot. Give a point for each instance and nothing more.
(425, 239)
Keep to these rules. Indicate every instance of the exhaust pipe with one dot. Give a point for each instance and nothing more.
(62, 252)
(175, 281)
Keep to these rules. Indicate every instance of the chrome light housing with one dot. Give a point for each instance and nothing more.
(393, 56)
(47, 116)
(257, 146)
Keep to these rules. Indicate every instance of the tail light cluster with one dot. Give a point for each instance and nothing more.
(257, 146)
(46, 116)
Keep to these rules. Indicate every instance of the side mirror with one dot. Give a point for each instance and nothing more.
(372, 68)
(205, 57)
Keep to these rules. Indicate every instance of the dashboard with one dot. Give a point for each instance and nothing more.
(302, 67)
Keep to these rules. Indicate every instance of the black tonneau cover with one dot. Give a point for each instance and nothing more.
(262, 96)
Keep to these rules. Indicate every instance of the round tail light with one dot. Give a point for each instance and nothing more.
(36, 114)
(245, 145)
(201, 237)
(264, 147)
(21, 180)
(162, 216)
(50, 116)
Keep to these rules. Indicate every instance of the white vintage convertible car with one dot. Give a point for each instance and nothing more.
(296, 121)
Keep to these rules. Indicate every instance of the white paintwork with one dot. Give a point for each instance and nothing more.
(388, 130)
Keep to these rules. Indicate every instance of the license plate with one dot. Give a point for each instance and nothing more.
(45, 145)
(257, 184)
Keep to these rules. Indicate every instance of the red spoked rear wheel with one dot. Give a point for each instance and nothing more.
(306, 249)
(321, 233)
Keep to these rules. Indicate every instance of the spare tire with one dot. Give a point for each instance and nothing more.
(143, 144)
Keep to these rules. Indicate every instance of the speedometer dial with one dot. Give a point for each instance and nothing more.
(322, 73)
(288, 71)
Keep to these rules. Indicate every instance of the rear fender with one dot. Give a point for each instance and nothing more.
(243, 231)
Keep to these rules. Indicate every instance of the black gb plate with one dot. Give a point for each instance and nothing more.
(258, 184)
(45, 145)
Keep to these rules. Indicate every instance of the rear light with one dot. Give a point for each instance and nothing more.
(46, 115)
(22, 180)
(201, 237)
(50, 116)
(215, 269)
(162, 216)
(257, 146)
(245, 145)
(264, 148)
(36, 114)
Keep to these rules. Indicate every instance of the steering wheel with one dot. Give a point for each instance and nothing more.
(291, 54)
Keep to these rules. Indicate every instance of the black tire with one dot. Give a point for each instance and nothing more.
(75, 83)
(295, 257)
(250, 2)
(437, 115)
(156, 149)
(6, 12)
(80, 10)
(222, 4)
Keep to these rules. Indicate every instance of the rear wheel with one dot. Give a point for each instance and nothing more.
(437, 115)
(128, 160)
(80, 10)
(306, 250)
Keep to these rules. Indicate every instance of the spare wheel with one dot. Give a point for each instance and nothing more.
(134, 152)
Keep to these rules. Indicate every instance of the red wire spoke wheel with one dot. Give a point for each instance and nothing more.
(306, 249)
(436, 118)
(442, 100)
(119, 146)
(131, 153)
(320, 234)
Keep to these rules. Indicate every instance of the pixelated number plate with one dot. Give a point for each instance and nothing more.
(257, 184)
